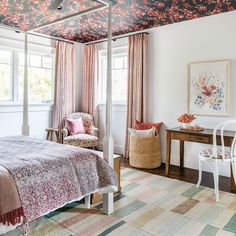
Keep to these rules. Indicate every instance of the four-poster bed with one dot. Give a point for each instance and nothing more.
(108, 140)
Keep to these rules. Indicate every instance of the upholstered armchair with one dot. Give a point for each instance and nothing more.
(87, 140)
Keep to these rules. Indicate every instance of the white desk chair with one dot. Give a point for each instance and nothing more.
(218, 155)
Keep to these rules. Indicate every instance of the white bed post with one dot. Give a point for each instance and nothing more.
(25, 126)
(108, 142)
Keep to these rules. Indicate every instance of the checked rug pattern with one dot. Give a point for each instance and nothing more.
(148, 205)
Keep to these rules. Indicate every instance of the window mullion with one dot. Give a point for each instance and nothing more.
(15, 76)
(12, 76)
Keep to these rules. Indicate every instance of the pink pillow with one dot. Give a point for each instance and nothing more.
(141, 126)
(75, 126)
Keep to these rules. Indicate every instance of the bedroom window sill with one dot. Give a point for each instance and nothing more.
(115, 107)
(10, 107)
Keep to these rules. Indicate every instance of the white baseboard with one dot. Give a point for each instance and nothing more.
(118, 149)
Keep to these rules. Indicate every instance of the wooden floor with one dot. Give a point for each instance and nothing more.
(188, 175)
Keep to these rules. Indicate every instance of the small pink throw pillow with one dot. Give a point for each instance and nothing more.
(75, 126)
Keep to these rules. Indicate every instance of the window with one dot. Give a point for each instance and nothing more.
(119, 75)
(5, 75)
(40, 76)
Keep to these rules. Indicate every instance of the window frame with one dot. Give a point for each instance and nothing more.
(11, 73)
(14, 76)
(116, 52)
(42, 54)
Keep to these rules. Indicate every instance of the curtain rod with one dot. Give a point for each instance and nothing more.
(114, 38)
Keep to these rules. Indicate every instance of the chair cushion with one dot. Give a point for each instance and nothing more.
(82, 140)
(208, 152)
(88, 121)
(75, 126)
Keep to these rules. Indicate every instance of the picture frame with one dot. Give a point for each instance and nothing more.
(209, 88)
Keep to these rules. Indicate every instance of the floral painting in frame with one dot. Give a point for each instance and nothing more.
(209, 90)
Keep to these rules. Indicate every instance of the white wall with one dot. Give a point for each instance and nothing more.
(11, 120)
(171, 48)
(118, 126)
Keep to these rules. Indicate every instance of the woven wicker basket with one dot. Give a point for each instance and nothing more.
(145, 152)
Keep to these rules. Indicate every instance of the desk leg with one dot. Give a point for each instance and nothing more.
(181, 154)
(168, 153)
(232, 183)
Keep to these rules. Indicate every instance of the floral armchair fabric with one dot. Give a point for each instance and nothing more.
(87, 140)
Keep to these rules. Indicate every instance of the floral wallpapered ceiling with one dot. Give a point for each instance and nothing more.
(25, 14)
(128, 15)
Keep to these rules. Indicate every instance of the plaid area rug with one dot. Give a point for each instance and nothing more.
(149, 205)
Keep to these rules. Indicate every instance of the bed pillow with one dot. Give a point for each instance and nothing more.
(143, 133)
(75, 126)
(141, 125)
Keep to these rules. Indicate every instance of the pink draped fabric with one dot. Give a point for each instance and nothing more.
(64, 93)
(137, 81)
(90, 80)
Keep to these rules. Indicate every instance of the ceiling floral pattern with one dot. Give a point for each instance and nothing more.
(25, 14)
(128, 15)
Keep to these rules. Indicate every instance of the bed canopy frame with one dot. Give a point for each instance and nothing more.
(108, 142)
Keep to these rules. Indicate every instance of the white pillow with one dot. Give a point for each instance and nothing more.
(143, 133)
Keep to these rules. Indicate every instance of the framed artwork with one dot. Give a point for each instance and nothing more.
(208, 88)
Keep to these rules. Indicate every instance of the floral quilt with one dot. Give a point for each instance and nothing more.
(48, 175)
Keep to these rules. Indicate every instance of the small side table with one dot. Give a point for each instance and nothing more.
(98, 197)
(51, 132)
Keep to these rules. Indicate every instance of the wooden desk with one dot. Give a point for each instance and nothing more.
(205, 136)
